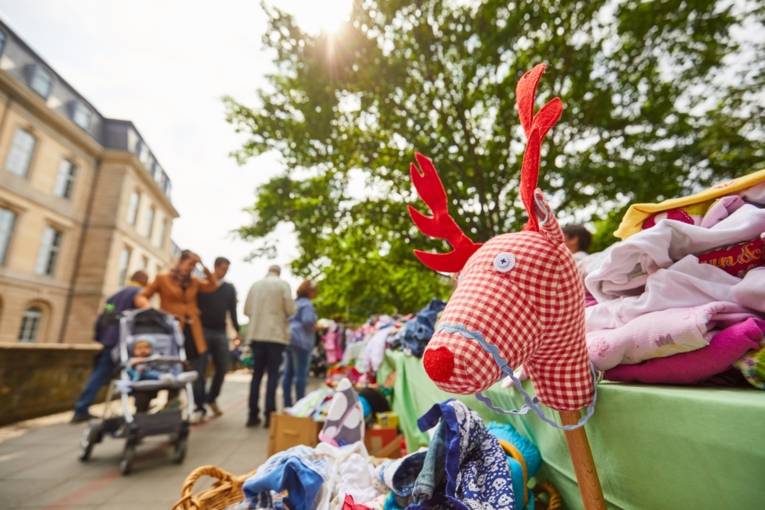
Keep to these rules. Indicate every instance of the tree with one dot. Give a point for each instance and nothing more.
(652, 109)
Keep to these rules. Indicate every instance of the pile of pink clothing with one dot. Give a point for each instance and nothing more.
(333, 342)
(365, 348)
(683, 300)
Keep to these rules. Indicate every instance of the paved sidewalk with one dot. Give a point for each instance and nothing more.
(39, 467)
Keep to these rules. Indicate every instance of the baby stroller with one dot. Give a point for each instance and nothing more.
(166, 363)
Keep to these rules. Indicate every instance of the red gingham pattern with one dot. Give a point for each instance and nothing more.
(534, 314)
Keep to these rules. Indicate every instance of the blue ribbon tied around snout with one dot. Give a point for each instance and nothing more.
(530, 403)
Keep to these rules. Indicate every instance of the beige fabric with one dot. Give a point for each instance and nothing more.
(269, 305)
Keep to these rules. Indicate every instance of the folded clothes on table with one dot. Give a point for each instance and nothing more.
(693, 367)
(661, 334)
(625, 266)
(686, 283)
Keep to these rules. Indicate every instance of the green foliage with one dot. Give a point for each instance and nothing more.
(359, 281)
(652, 110)
(602, 233)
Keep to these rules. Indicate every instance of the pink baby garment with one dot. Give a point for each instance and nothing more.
(661, 334)
(723, 350)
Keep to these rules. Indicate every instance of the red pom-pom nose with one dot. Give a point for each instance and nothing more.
(438, 363)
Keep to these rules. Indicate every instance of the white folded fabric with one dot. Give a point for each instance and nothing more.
(685, 283)
(624, 268)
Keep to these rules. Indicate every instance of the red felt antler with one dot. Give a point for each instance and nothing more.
(535, 127)
(440, 225)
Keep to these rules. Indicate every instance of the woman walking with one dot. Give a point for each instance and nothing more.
(178, 291)
(302, 341)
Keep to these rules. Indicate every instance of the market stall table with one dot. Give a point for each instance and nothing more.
(655, 446)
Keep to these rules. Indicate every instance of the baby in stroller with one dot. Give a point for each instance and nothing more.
(151, 355)
(139, 368)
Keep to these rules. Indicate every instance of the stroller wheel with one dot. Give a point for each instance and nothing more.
(128, 456)
(86, 445)
(179, 450)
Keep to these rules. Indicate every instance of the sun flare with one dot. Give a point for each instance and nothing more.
(320, 15)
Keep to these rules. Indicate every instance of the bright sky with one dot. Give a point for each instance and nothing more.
(165, 65)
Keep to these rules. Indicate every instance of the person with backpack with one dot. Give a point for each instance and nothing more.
(107, 333)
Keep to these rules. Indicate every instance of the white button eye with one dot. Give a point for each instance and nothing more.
(504, 262)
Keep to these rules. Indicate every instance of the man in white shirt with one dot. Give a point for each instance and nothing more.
(269, 305)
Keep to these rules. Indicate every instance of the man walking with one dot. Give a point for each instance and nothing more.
(269, 305)
(213, 307)
(108, 334)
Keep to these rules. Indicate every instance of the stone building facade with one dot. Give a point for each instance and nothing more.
(83, 203)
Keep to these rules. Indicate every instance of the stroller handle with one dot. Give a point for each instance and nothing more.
(162, 359)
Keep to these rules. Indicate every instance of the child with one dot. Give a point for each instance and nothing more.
(139, 370)
(137, 367)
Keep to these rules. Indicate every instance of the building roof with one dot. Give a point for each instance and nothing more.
(24, 64)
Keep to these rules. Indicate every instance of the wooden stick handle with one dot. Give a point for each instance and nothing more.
(584, 465)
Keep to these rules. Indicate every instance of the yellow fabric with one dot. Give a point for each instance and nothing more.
(638, 213)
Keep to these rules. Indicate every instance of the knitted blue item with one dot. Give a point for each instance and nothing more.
(524, 445)
(365, 407)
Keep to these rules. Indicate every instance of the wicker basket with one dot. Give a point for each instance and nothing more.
(226, 491)
(551, 499)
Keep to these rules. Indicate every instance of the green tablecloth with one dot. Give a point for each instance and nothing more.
(656, 447)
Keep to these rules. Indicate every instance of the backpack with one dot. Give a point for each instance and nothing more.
(107, 318)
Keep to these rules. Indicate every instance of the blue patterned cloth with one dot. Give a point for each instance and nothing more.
(477, 476)
(531, 456)
(400, 475)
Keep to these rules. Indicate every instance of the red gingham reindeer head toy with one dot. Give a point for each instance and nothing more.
(519, 297)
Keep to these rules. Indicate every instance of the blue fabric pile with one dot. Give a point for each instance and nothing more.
(418, 331)
(295, 471)
(464, 467)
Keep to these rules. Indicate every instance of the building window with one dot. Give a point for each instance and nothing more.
(148, 228)
(81, 115)
(49, 248)
(41, 81)
(30, 324)
(7, 222)
(159, 241)
(145, 263)
(124, 265)
(2, 41)
(65, 179)
(132, 141)
(20, 155)
(135, 200)
(158, 173)
(144, 155)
